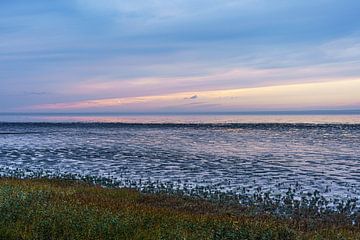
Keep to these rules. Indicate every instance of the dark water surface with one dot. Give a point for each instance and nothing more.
(317, 155)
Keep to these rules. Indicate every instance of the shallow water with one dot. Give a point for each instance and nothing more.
(325, 157)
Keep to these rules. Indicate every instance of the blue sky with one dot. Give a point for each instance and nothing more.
(154, 55)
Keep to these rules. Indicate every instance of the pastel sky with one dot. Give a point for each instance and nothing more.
(179, 55)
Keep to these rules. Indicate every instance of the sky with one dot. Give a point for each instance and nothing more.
(179, 55)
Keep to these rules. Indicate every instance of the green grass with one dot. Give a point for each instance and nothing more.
(68, 209)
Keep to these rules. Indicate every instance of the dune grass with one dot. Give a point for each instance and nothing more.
(68, 209)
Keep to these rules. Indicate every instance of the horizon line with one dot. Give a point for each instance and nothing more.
(256, 112)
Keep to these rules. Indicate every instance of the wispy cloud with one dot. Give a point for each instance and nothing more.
(211, 79)
(192, 97)
(89, 49)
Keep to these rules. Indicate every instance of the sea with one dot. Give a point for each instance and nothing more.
(225, 151)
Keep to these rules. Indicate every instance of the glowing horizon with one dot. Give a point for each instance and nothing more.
(280, 97)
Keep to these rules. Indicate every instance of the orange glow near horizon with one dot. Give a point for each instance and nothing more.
(306, 95)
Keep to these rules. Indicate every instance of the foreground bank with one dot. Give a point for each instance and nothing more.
(68, 209)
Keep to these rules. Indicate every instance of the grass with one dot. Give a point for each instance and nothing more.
(44, 208)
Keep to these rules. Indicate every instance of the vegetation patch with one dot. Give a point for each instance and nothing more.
(43, 208)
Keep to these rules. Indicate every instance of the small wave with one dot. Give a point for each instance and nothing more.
(18, 133)
(179, 125)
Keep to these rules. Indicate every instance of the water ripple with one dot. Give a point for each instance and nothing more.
(317, 156)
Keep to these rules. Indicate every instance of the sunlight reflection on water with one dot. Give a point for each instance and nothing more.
(275, 118)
